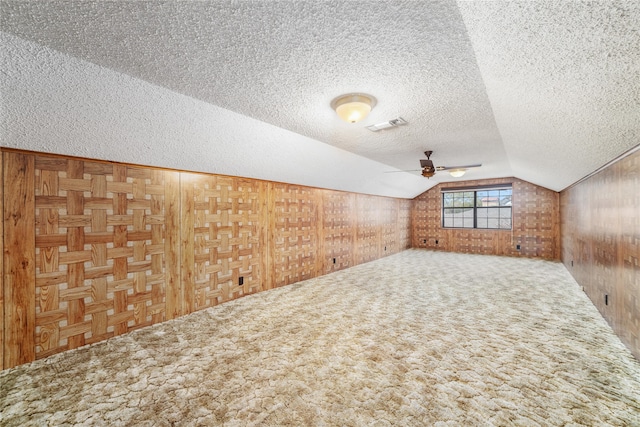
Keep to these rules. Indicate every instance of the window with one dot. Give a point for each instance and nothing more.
(477, 208)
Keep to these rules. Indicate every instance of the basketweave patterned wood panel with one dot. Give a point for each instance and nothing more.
(404, 224)
(339, 228)
(294, 228)
(388, 220)
(601, 236)
(99, 251)
(226, 238)
(368, 228)
(535, 223)
(112, 247)
(425, 219)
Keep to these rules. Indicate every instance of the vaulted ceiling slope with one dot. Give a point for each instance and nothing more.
(546, 91)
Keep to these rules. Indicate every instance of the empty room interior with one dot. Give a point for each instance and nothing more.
(355, 213)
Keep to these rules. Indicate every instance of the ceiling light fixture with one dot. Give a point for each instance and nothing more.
(457, 173)
(353, 107)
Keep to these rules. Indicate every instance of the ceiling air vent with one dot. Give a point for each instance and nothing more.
(387, 125)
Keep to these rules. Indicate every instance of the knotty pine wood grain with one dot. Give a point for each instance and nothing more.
(535, 221)
(19, 259)
(600, 225)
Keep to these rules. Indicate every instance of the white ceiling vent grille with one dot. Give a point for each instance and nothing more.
(387, 125)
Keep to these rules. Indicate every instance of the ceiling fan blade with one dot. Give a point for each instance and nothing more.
(426, 163)
(409, 170)
(445, 168)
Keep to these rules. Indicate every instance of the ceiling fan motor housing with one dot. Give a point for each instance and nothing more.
(428, 170)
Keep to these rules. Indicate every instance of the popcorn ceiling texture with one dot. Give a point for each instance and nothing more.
(57, 104)
(561, 78)
(564, 82)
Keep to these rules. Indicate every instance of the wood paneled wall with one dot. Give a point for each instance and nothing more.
(600, 229)
(338, 230)
(294, 228)
(95, 249)
(535, 223)
(19, 259)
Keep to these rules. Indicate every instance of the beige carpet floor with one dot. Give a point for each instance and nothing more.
(418, 338)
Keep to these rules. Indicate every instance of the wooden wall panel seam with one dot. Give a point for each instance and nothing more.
(187, 263)
(19, 259)
(173, 246)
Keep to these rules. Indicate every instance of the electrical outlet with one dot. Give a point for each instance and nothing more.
(606, 299)
(385, 248)
(436, 241)
(334, 260)
(518, 247)
(571, 263)
(241, 281)
(424, 241)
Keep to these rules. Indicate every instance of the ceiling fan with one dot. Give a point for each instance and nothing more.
(429, 170)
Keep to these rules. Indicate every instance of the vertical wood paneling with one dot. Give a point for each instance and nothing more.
(627, 286)
(267, 221)
(535, 217)
(19, 259)
(187, 237)
(173, 245)
(600, 225)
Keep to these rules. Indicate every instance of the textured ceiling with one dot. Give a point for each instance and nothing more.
(545, 91)
(564, 82)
